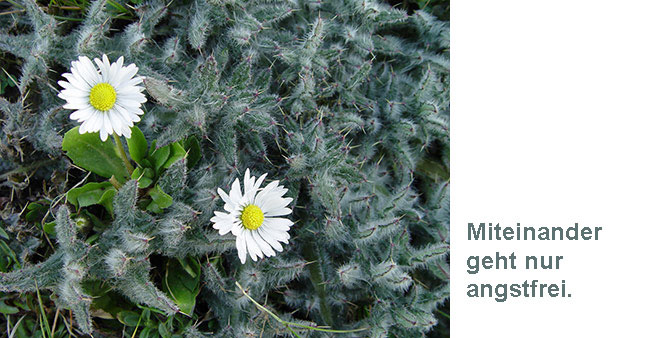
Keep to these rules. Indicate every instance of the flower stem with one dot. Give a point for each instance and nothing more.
(122, 153)
(287, 324)
(114, 182)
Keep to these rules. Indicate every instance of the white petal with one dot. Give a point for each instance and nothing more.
(102, 69)
(74, 94)
(126, 131)
(237, 228)
(120, 122)
(281, 236)
(279, 224)
(97, 121)
(270, 239)
(103, 134)
(65, 84)
(115, 123)
(267, 189)
(71, 90)
(75, 105)
(225, 198)
(128, 103)
(253, 248)
(265, 248)
(135, 91)
(272, 203)
(125, 76)
(107, 125)
(222, 222)
(135, 117)
(241, 249)
(278, 212)
(222, 215)
(88, 122)
(77, 83)
(235, 192)
(131, 97)
(225, 228)
(124, 113)
(83, 99)
(113, 71)
(88, 71)
(132, 82)
(105, 72)
(258, 182)
(82, 114)
(248, 183)
(84, 126)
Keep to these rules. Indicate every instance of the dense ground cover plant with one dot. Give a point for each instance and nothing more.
(344, 102)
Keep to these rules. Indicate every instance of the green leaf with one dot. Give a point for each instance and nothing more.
(159, 200)
(137, 173)
(106, 199)
(433, 170)
(87, 194)
(128, 318)
(92, 194)
(3, 233)
(163, 331)
(92, 238)
(36, 211)
(145, 332)
(160, 156)
(106, 300)
(153, 207)
(7, 309)
(97, 223)
(146, 163)
(4, 248)
(144, 182)
(151, 309)
(149, 173)
(152, 148)
(144, 177)
(191, 266)
(89, 152)
(193, 147)
(137, 145)
(177, 152)
(146, 318)
(182, 286)
(48, 228)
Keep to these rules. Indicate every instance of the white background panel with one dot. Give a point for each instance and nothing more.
(550, 126)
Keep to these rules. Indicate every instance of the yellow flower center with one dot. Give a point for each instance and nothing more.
(102, 96)
(252, 217)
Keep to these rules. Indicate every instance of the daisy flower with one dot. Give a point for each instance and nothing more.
(106, 100)
(252, 217)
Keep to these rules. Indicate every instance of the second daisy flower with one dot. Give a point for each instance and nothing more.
(252, 217)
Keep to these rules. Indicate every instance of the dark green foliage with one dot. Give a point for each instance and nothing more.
(89, 152)
(346, 102)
